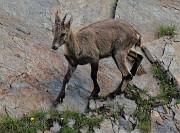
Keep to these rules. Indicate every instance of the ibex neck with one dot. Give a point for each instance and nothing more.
(72, 44)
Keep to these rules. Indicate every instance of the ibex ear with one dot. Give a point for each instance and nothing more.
(68, 24)
(57, 18)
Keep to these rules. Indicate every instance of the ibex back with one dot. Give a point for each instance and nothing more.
(112, 37)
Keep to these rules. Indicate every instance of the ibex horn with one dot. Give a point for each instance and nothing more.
(63, 20)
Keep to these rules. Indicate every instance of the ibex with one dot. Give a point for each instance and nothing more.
(111, 37)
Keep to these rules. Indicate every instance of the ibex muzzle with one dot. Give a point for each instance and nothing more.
(112, 37)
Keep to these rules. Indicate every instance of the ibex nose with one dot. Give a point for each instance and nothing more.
(54, 47)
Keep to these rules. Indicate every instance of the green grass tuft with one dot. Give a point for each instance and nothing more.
(143, 110)
(168, 87)
(68, 130)
(165, 30)
(43, 120)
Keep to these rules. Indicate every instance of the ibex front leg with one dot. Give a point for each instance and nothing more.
(70, 71)
(96, 90)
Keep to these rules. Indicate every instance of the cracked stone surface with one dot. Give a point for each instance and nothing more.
(166, 52)
(165, 119)
(31, 73)
(147, 15)
(87, 11)
(122, 107)
(109, 126)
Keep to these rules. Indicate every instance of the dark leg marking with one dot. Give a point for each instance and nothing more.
(138, 59)
(70, 71)
(96, 90)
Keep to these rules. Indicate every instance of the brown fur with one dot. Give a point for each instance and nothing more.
(111, 37)
(101, 39)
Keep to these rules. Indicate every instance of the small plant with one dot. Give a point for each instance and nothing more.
(144, 126)
(143, 110)
(38, 120)
(165, 30)
(168, 88)
(23, 125)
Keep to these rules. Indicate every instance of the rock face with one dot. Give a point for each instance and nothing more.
(146, 16)
(87, 11)
(118, 114)
(31, 73)
(165, 51)
(166, 119)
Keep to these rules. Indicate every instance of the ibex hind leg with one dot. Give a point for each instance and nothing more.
(137, 58)
(120, 60)
(96, 90)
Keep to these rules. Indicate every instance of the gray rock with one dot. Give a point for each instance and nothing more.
(92, 104)
(166, 52)
(26, 38)
(164, 122)
(105, 127)
(56, 127)
(161, 109)
(84, 130)
(133, 121)
(71, 123)
(3, 110)
(121, 131)
(177, 38)
(31, 74)
(176, 112)
(39, 131)
(136, 131)
(48, 131)
(129, 106)
(170, 126)
(146, 16)
(87, 11)
(125, 124)
(173, 102)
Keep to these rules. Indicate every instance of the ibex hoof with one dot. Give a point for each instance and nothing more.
(128, 77)
(112, 95)
(93, 96)
(55, 103)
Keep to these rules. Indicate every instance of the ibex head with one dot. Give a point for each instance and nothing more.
(60, 31)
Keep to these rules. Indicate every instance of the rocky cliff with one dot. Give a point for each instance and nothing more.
(31, 73)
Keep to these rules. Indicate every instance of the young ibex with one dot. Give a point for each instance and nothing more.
(112, 37)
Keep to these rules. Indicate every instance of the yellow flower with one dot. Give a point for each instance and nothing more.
(32, 118)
